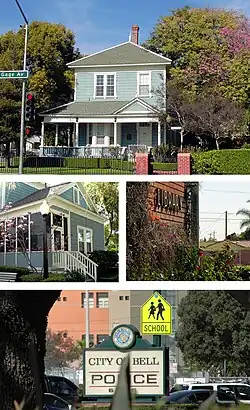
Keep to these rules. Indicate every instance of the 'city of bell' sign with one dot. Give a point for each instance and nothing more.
(147, 371)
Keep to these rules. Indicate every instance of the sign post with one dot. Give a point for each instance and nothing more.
(156, 316)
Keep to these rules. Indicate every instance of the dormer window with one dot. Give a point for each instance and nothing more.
(105, 86)
(143, 84)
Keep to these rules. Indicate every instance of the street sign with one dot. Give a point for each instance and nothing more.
(14, 74)
(156, 316)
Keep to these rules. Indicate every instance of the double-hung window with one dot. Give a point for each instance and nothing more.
(144, 84)
(104, 86)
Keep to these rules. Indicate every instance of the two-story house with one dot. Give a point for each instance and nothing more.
(74, 227)
(115, 101)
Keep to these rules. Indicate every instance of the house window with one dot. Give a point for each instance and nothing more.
(143, 84)
(105, 86)
(85, 240)
(126, 297)
(101, 338)
(57, 220)
(100, 133)
(110, 87)
(91, 300)
(102, 300)
(91, 340)
(120, 297)
(76, 195)
(99, 89)
(64, 298)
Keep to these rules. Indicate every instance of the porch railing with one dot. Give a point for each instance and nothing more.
(84, 152)
(71, 261)
(91, 266)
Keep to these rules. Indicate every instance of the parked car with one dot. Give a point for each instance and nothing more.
(178, 387)
(63, 388)
(192, 397)
(53, 402)
(241, 391)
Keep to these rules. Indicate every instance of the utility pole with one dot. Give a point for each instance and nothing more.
(23, 88)
(225, 224)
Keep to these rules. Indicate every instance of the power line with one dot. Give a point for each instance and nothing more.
(225, 192)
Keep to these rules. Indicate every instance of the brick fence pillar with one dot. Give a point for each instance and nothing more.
(184, 164)
(142, 164)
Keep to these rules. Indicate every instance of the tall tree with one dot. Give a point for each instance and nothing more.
(23, 322)
(214, 327)
(50, 48)
(61, 350)
(209, 49)
(105, 195)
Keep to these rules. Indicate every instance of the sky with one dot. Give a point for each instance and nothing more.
(100, 24)
(215, 199)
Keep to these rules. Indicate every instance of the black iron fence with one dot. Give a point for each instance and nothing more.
(68, 165)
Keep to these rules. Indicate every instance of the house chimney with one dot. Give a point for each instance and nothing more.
(135, 34)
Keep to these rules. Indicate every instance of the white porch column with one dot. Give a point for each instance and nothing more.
(42, 134)
(77, 134)
(57, 133)
(159, 134)
(94, 140)
(115, 133)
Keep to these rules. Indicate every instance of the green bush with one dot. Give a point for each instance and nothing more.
(229, 162)
(15, 269)
(162, 152)
(33, 277)
(75, 276)
(97, 163)
(55, 277)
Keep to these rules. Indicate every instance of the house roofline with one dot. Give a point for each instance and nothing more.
(140, 101)
(55, 108)
(121, 65)
(113, 47)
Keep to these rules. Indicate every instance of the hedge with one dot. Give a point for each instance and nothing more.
(229, 162)
(165, 166)
(38, 277)
(15, 269)
(98, 163)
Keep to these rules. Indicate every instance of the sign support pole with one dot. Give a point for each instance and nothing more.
(157, 338)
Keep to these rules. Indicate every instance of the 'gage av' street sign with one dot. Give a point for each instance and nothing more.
(156, 316)
(23, 74)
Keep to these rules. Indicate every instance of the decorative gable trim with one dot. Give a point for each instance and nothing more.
(141, 102)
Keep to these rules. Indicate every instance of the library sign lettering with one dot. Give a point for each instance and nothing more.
(168, 201)
(102, 369)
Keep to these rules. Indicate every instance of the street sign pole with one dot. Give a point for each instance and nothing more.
(157, 338)
(23, 102)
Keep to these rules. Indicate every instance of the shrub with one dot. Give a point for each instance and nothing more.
(163, 152)
(229, 162)
(75, 276)
(107, 262)
(55, 277)
(33, 277)
(15, 269)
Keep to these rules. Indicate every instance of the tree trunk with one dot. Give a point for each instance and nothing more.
(217, 142)
(23, 322)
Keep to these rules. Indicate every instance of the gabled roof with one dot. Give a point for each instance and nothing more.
(122, 54)
(220, 246)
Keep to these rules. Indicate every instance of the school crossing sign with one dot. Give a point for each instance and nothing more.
(156, 316)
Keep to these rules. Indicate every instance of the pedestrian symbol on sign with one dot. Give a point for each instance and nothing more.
(156, 316)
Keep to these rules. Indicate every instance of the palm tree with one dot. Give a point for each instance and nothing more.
(245, 223)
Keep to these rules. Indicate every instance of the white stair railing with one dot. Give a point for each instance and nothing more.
(91, 266)
(74, 261)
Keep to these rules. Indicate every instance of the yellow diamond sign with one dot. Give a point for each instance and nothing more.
(156, 316)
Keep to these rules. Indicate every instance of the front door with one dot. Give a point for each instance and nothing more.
(145, 134)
